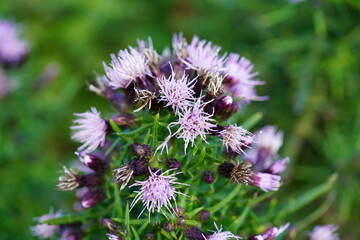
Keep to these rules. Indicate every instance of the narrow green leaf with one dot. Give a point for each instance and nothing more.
(136, 235)
(114, 126)
(226, 200)
(131, 221)
(155, 130)
(127, 220)
(253, 120)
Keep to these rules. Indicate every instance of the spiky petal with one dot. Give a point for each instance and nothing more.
(327, 232)
(43, 230)
(203, 56)
(193, 122)
(219, 235)
(176, 92)
(266, 181)
(126, 68)
(157, 191)
(90, 129)
(236, 138)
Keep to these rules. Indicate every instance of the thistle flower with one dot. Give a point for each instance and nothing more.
(90, 130)
(93, 197)
(176, 92)
(327, 232)
(219, 235)
(113, 237)
(128, 67)
(12, 48)
(239, 70)
(279, 166)
(271, 233)
(68, 181)
(179, 45)
(242, 173)
(123, 175)
(193, 122)
(203, 56)
(157, 191)
(266, 181)
(266, 145)
(235, 138)
(96, 161)
(43, 230)
(151, 56)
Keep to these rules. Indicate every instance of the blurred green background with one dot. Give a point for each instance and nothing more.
(308, 54)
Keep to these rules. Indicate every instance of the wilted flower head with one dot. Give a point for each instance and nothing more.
(325, 232)
(203, 56)
(193, 122)
(157, 191)
(176, 92)
(126, 68)
(236, 138)
(43, 230)
(12, 48)
(68, 181)
(90, 130)
(219, 235)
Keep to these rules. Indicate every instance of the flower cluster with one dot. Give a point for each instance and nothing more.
(176, 101)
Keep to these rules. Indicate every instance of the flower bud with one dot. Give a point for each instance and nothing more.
(168, 226)
(203, 215)
(90, 180)
(225, 107)
(193, 233)
(139, 166)
(95, 161)
(142, 150)
(149, 236)
(124, 120)
(208, 176)
(111, 226)
(172, 163)
(93, 198)
(225, 169)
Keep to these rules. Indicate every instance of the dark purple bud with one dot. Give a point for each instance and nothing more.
(279, 166)
(90, 180)
(168, 226)
(96, 161)
(225, 107)
(193, 233)
(117, 100)
(72, 232)
(225, 169)
(142, 150)
(203, 215)
(149, 236)
(111, 226)
(124, 120)
(93, 198)
(208, 176)
(139, 166)
(172, 163)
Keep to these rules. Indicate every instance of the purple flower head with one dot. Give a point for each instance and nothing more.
(43, 230)
(267, 142)
(279, 166)
(128, 67)
(203, 56)
(90, 130)
(271, 233)
(157, 191)
(236, 138)
(193, 122)
(113, 237)
(176, 92)
(179, 45)
(325, 232)
(152, 57)
(219, 235)
(12, 48)
(266, 181)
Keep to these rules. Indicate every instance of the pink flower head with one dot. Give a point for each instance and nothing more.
(219, 235)
(90, 130)
(157, 191)
(113, 237)
(236, 138)
(128, 67)
(177, 92)
(325, 232)
(266, 181)
(12, 48)
(271, 233)
(267, 142)
(203, 56)
(43, 230)
(193, 122)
